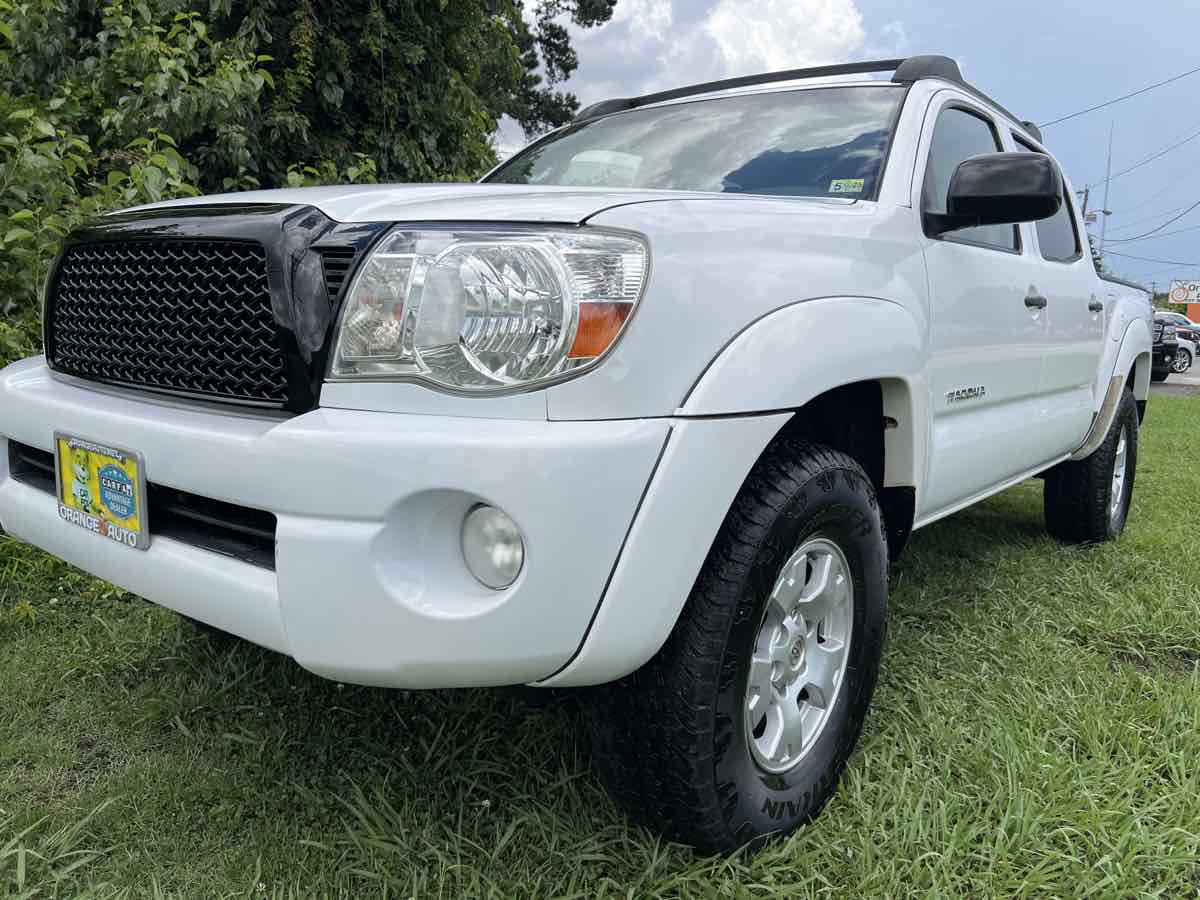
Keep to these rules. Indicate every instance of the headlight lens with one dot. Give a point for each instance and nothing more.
(1170, 332)
(488, 310)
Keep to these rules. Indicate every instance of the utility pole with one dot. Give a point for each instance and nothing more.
(1107, 181)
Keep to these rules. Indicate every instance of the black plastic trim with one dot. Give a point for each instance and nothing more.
(294, 238)
(32, 467)
(240, 532)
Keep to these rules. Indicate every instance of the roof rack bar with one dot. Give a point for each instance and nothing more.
(605, 107)
(905, 71)
(917, 67)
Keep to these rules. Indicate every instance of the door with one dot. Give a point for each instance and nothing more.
(1076, 307)
(988, 332)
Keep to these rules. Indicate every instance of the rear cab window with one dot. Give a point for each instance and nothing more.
(814, 142)
(1058, 236)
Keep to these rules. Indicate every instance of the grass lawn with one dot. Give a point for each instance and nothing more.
(1036, 732)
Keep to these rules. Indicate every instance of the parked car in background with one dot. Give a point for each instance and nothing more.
(1166, 347)
(1185, 327)
(650, 411)
(1185, 356)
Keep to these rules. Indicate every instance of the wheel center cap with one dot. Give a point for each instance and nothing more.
(797, 650)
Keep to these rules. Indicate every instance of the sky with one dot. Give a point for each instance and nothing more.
(1042, 60)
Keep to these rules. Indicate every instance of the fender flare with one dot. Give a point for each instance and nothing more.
(1133, 349)
(730, 415)
(797, 352)
(1135, 344)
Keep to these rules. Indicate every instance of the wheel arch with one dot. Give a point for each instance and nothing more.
(836, 361)
(1135, 362)
(703, 469)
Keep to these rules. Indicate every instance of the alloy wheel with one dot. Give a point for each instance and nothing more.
(1117, 495)
(798, 663)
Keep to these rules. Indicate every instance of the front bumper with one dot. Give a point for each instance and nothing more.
(369, 584)
(1163, 357)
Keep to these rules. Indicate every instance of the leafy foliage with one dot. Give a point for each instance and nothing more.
(106, 104)
(1097, 256)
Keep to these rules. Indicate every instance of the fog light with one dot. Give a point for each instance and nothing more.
(492, 547)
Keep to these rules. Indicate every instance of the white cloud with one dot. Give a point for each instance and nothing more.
(653, 45)
(768, 35)
(657, 44)
(646, 18)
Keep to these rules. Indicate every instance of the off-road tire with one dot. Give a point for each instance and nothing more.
(1077, 495)
(669, 741)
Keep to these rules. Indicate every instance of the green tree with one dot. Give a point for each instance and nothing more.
(110, 103)
(1097, 256)
(417, 85)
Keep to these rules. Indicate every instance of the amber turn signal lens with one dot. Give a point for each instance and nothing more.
(599, 324)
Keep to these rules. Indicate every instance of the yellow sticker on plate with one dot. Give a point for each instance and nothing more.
(102, 489)
(847, 185)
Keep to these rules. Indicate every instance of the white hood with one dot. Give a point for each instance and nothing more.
(443, 202)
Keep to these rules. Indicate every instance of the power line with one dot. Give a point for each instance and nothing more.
(1153, 272)
(1158, 228)
(1172, 184)
(1148, 159)
(1168, 262)
(1118, 99)
(1155, 237)
(1158, 215)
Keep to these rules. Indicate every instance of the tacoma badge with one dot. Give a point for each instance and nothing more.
(975, 392)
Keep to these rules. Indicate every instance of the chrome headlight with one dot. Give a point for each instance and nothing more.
(488, 310)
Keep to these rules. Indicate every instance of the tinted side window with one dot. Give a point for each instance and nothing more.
(957, 135)
(1057, 235)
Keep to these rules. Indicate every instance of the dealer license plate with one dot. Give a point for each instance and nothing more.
(102, 489)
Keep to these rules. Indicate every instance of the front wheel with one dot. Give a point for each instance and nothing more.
(742, 724)
(1087, 501)
(1183, 361)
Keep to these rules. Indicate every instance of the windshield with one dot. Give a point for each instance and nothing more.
(823, 142)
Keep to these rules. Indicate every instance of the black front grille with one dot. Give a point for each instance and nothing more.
(226, 528)
(1158, 332)
(185, 316)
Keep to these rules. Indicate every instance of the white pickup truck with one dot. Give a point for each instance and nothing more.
(651, 407)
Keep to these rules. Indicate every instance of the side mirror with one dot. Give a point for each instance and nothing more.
(999, 189)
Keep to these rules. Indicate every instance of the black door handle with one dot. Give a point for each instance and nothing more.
(1096, 306)
(1035, 301)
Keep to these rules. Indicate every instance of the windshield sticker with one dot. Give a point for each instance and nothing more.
(602, 167)
(847, 185)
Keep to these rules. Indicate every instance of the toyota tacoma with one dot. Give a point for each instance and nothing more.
(648, 410)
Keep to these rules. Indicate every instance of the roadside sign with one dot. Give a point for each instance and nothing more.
(1185, 292)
